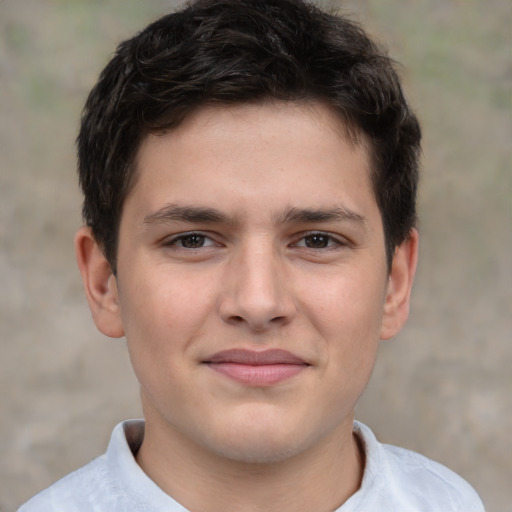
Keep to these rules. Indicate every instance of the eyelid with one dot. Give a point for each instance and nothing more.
(173, 239)
(335, 240)
(339, 241)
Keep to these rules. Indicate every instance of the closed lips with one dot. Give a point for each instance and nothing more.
(255, 368)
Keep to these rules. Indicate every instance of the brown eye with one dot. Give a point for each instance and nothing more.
(192, 241)
(317, 241)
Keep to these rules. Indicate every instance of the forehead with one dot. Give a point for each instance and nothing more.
(294, 153)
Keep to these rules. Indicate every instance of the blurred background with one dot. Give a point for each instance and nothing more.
(443, 387)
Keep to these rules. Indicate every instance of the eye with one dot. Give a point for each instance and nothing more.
(191, 241)
(318, 241)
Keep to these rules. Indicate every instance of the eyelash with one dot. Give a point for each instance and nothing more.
(331, 241)
(184, 236)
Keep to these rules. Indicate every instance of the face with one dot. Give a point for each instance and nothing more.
(252, 284)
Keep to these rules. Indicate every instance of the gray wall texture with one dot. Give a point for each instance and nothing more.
(443, 387)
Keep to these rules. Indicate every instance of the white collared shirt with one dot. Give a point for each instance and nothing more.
(394, 479)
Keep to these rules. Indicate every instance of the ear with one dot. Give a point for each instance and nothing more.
(99, 283)
(398, 291)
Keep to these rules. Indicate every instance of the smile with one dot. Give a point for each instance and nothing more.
(254, 368)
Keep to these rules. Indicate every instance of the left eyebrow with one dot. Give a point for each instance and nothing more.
(307, 215)
(192, 214)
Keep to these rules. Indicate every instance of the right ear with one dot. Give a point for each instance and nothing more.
(99, 283)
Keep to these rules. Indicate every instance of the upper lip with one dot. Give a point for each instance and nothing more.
(255, 358)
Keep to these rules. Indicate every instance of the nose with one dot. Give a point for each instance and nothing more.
(257, 290)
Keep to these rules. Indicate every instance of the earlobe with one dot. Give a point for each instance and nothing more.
(398, 292)
(99, 284)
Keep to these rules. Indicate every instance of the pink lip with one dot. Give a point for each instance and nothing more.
(255, 368)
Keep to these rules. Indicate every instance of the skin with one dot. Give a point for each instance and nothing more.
(251, 227)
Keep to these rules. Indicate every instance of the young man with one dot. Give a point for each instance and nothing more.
(249, 170)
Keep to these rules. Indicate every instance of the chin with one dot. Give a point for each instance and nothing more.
(260, 443)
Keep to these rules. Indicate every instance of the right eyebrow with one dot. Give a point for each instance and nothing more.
(335, 214)
(192, 214)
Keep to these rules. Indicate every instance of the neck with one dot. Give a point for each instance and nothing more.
(320, 478)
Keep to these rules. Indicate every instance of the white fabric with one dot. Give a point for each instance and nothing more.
(394, 479)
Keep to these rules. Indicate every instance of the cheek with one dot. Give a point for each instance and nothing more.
(162, 318)
(173, 302)
(347, 306)
(165, 315)
(347, 312)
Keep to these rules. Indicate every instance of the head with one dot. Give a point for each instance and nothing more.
(249, 169)
(235, 52)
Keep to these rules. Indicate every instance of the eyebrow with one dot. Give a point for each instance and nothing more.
(314, 215)
(195, 214)
(173, 212)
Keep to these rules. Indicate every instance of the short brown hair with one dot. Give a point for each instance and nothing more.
(238, 51)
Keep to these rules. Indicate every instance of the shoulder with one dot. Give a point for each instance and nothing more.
(431, 482)
(113, 482)
(410, 481)
(74, 491)
(98, 485)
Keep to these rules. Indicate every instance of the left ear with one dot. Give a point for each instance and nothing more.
(99, 284)
(398, 292)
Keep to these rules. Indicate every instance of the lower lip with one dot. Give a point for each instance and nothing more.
(258, 375)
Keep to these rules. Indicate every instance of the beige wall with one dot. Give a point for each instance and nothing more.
(443, 387)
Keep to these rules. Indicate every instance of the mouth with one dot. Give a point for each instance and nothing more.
(257, 368)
